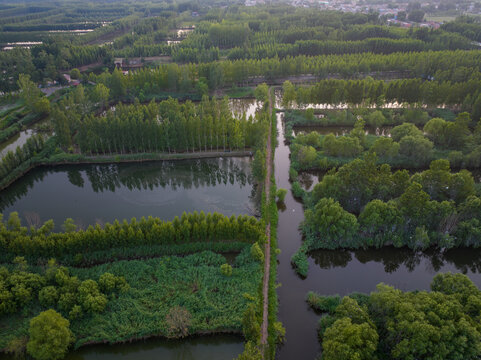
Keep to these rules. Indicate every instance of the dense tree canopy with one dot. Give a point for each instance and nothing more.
(389, 323)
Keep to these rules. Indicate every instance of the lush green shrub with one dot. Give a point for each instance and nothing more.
(226, 270)
(50, 336)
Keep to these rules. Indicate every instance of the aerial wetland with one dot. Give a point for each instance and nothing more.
(240, 180)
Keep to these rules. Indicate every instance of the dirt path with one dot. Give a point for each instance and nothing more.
(267, 252)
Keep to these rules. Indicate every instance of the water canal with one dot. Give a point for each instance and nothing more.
(344, 272)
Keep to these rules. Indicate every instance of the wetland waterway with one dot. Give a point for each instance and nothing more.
(344, 272)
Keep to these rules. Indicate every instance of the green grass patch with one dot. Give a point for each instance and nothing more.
(170, 296)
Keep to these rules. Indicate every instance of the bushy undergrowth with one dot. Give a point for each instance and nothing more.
(170, 296)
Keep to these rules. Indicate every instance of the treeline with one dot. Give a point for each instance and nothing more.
(389, 323)
(465, 26)
(369, 92)
(434, 208)
(16, 240)
(237, 33)
(168, 126)
(276, 33)
(50, 27)
(216, 75)
(406, 146)
(331, 47)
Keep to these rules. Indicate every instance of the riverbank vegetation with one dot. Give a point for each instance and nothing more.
(363, 204)
(404, 146)
(370, 92)
(390, 323)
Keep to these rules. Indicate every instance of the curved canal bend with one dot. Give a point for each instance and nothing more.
(344, 272)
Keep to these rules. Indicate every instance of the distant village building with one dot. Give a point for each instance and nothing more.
(121, 63)
(70, 80)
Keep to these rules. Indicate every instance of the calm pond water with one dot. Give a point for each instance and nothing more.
(343, 272)
(102, 193)
(18, 140)
(218, 347)
(21, 138)
(249, 106)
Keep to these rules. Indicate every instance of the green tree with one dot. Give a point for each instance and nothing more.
(61, 127)
(288, 94)
(306, 155)
(256, 252)
(347, 341)
(416, 148)
(281, 194)
(331, 225)
(75, 73)
(28, 91)
(48, 296)
(42, 106)
(376, 119)
(406, 129)
(100, 94)
(250, 324)
(202, 87)
(416, 16)
(226, 270)
(385, 147)
(259, 165)
(435, 129)
(477, 109)
(50, 336)
(117, 84)
(262, 92)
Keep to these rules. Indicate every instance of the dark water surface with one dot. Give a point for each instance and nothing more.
(218, 347)
(344, 272)
(102, 193)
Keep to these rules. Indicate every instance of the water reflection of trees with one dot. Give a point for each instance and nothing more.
(464, 260)
(20, 188)
(180, 174)
(184, 174)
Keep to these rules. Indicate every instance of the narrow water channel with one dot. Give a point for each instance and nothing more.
(344, 272)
